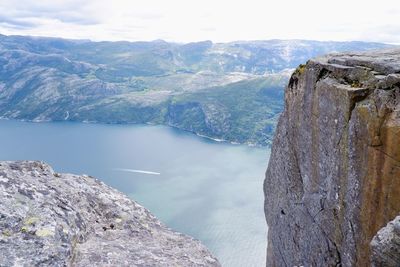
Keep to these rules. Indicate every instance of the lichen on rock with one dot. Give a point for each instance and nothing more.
(49, 219)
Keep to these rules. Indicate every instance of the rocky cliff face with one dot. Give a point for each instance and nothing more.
(333, 178)
(51, 219)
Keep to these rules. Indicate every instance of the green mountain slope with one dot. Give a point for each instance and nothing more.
(230, 91)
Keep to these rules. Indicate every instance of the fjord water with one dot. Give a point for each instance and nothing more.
(209, 190)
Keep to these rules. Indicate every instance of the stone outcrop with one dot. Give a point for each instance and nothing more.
(51, 219)
(333, 178)
(385, 245)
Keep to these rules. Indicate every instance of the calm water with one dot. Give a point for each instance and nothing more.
(211, 191)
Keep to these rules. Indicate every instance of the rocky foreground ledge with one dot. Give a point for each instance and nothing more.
(385, 245)
(51, 219)
(333, 179)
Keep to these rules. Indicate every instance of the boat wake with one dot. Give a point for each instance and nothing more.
(137, 171)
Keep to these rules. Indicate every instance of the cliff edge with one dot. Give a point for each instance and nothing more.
(51, 219)
(333, 179)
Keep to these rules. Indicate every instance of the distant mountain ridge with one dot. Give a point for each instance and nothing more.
(230, 91)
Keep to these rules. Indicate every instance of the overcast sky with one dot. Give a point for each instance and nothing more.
(216, 20)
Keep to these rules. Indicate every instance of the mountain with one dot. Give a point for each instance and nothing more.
(333, 179)
(231, 91)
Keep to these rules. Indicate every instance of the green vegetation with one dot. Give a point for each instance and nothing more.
(243, 112)
(355, 84)
(231, 91)
(300, 69)
(7, 233)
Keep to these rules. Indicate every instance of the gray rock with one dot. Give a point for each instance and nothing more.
(385, 245)
(333, 179)
(51, 219)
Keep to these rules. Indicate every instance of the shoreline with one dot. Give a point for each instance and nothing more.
(216, 140)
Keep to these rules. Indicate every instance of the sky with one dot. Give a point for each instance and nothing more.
(216, 20)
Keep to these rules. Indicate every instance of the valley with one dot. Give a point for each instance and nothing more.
(226, 91)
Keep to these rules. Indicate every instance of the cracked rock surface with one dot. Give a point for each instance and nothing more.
(51, 219)
(333, 178)
(385, 245)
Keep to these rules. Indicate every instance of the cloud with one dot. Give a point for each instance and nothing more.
(384, 33)
(186, 21)
(209, 29)
(147, 15)
(24, 13)
(16, 22)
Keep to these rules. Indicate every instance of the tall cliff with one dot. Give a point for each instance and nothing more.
(52, 219)
(333, 179)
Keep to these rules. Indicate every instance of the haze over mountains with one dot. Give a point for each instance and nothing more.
(231, 91)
